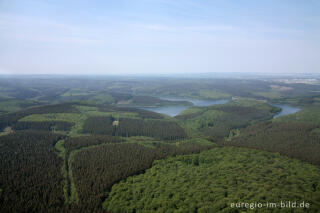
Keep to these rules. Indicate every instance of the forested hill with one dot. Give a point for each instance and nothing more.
(86, 145)
(73, 148)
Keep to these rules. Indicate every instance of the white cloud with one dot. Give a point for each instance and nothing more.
(31, 29)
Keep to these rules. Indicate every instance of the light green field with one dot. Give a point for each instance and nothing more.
(150, 142)
(75, 92)
(269, 94)
(94, 111)
(100, 98)
(77, 118)
(64, 169)
(6, 131)
(198, 140)
(68, 117)
(143, 140)
(191, 110)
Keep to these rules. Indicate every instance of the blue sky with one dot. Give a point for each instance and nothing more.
(159, 36)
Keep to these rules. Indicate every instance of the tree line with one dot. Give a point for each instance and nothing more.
(294, 139)
(74, 143)
(166, 130)
(11, 119)
(43, 125)
(96, 169)
(144, 114)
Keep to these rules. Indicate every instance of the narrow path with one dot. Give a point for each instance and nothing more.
(69, 188)
(69, 195)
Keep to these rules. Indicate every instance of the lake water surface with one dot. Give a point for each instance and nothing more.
(285, 110)
(175, 110)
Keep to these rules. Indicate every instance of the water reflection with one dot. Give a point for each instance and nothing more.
(285, 110)
(175, 110)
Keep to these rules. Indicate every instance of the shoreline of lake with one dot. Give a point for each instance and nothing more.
(285, 109)
(176, 110)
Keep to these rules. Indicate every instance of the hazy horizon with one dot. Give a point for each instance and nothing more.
(158, 37)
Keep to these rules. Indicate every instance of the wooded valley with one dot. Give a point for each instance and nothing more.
(88, 147)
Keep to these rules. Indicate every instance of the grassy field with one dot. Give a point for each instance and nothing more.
(72, 117)
(212, 180)
(61, 151)
(191, 110)
(76, 92)
(78, 118)
(6, 131)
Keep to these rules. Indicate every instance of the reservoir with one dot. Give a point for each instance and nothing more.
(285, 110)
(199, 103)
(175, 110)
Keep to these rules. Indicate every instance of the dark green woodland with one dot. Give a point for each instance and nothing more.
(87, 145)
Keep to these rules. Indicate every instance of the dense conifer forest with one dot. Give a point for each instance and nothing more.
(75, 143)
(159, 106)
(298, 140)
(30, 173)
(87, 145)
(95, 170)
(126, 127)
